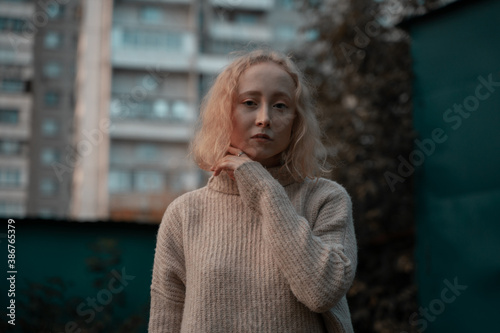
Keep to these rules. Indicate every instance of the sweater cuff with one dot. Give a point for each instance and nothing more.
(253, 180)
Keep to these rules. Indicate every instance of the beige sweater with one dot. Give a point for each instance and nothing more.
(259, 254)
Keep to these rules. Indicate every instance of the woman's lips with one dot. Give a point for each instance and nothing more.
(261, 137)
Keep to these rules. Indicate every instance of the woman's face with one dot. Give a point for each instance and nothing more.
(263, 113)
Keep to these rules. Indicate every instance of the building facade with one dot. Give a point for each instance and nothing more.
(55, 36)
(153, 106)
(110, 95)
(165, 54)
(16, 100)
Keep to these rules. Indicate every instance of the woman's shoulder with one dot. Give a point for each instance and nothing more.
(181, 208)
(189, 198)
(325, 185)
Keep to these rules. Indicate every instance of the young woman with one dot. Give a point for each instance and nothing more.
(265, 246)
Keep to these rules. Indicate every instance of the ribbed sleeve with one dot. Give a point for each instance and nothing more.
(318, 258)
(169, 276)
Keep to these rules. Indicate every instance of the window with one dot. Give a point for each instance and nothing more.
(52, 40)
(152, 110)
(151, 15)
(118, 154)
(147, 152)
(167, 41)
(54, 10)
(246, 18)
(51, 98)
(10, 178)
(48, 186)
(11, 24)
(4, 24)
(49, 155)
(286, 33)
(205, 83)
(183, 180)
(11, 208)
(148, 181)
(52, 70)
(119, 181)
(189, 181)
(10, 147)
(227, 46)
(12, 85)
(9, 116)
(160, 108)
(180, 110)
(286, 4)
(49, 127)
(173, 41)
(46, 213)
(141, 110)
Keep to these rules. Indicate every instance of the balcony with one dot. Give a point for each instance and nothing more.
(244, 4)
(151, 131)
(241, 32)
(16, 40)
(158, 120)
(157, 48)
(211, 64)
(21, 9)
(173, 2)
(15, 49)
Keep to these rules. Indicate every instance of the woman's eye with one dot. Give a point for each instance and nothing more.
(249, 103)
(280, 106)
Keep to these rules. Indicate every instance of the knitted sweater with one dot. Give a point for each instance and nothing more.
(259, 254)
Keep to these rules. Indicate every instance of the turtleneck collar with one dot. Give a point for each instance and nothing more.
(222, 183)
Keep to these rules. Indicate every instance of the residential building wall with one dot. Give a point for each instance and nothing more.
(89, 198)
(153, 106)
(16, 74)
(110, 96)
(51, 144)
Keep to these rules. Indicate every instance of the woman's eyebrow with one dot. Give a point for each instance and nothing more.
(258, 93)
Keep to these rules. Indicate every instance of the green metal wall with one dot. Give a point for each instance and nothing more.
(454, 52)
(80, 277)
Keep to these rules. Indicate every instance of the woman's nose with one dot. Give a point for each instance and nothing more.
(263, 119)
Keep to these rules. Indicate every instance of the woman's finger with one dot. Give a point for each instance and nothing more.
(230, 162)
(233, 151)
(223, 164)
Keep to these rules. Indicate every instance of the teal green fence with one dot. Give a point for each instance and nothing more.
(80, 277)
(456, 55)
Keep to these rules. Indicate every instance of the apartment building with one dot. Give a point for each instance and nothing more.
(165, 54)
(153, 106)
(56, 33)
(108, 93)
(16, 75)
(227, 26)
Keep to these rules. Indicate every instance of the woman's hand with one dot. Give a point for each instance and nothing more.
(234, 158)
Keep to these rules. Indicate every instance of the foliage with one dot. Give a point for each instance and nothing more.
(360, 64)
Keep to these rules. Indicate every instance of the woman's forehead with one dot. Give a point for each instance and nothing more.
(266, 75)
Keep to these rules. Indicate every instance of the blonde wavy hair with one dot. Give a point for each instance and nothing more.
(304, 157)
